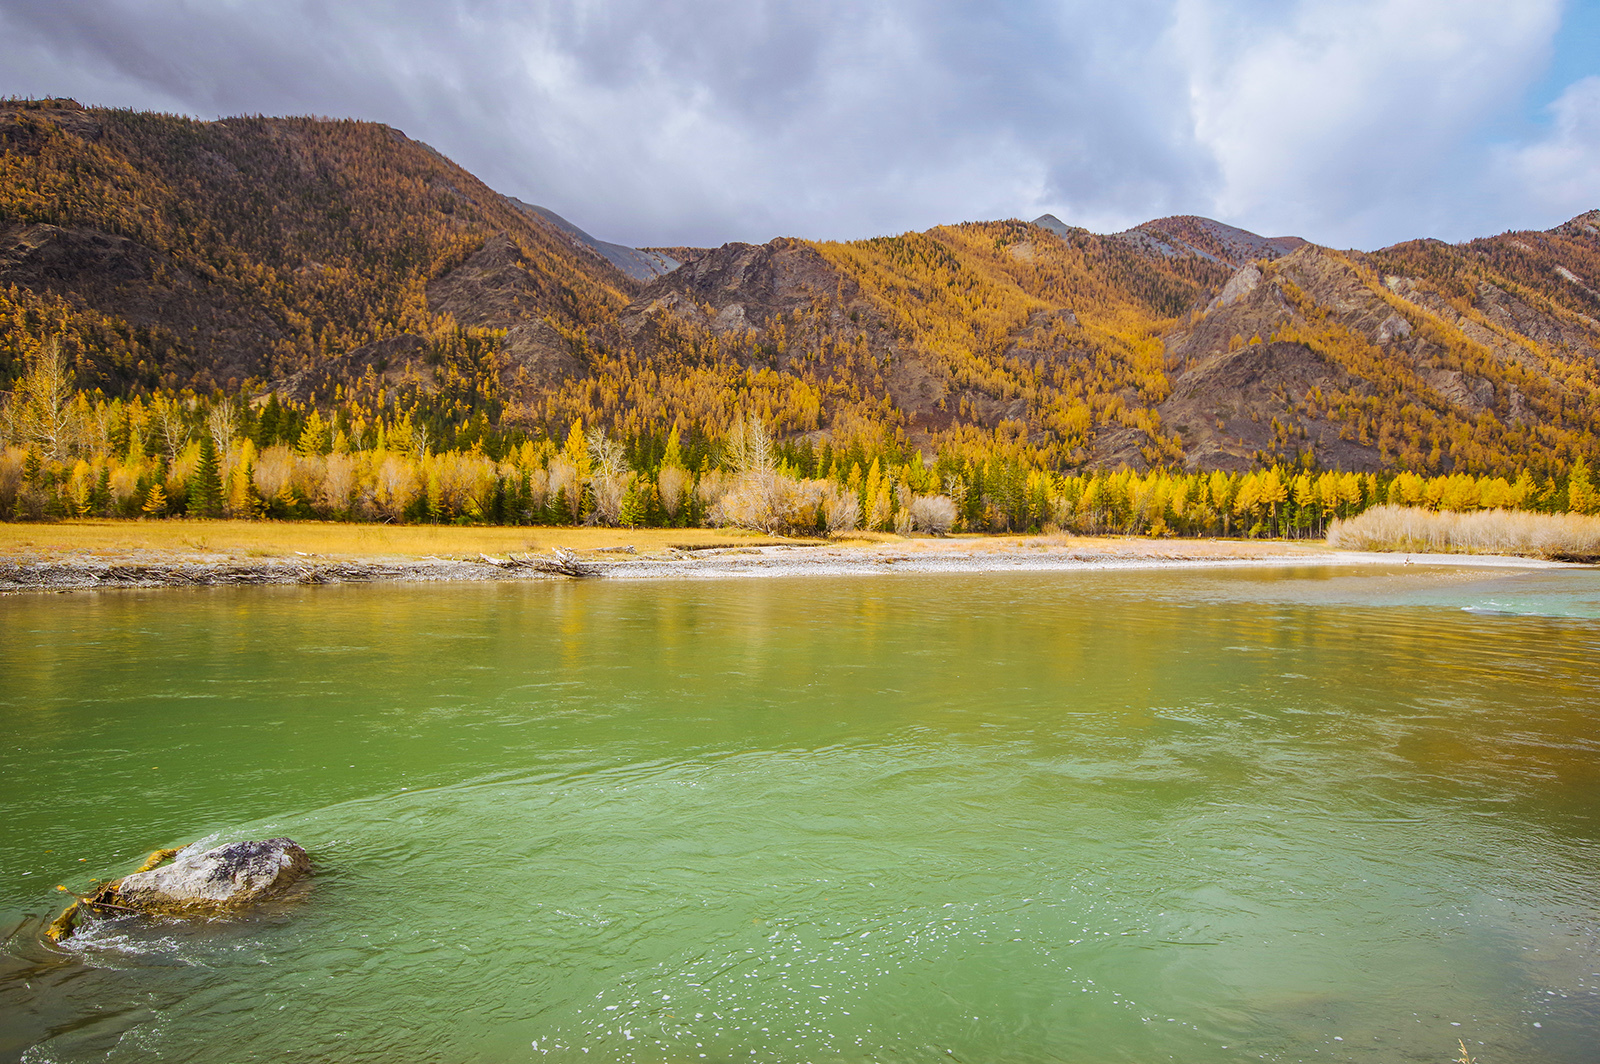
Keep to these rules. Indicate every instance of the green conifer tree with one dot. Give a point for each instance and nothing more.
(205, 491)
(634, 510)
(271, 421)
(655, 515)
(100, 498)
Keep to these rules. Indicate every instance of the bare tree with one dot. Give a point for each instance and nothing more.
(396, 486)
(169, 422)
(608, 478)
(750, 446)
(673, 484)
(96, 426)
(339, 483)
(563, 483)
(220, 422)
(841, 509)
(769, 502)
(42, 411)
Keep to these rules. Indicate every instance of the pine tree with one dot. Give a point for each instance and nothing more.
(155, 503)
(271, 420)
(243, 498)
(634, 510)
(577, 449)
(673, 455)
(654, 514)
(315, 438)
(206, 485)
(435, 503)
(561, 508)
(100, 500)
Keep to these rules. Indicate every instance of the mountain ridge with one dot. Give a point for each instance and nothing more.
(641, 264)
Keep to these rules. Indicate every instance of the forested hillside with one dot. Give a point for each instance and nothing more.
(169, 253)
(332, 288)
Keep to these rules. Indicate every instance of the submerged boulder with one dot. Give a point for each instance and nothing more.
(204, 883)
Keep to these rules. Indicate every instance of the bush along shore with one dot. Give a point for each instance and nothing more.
(1558, 537)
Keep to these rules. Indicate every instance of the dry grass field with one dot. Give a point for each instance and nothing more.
(273, 539)
(197, 540)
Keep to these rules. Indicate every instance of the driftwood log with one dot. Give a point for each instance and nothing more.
(566, 563)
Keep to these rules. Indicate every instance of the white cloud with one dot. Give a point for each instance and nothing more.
(697, 121)
(1559, 175)
(1354, 123)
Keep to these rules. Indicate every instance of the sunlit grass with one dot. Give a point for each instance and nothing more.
(264, 540)
(271, 539)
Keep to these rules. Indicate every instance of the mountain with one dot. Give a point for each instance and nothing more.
(639, 263)
(170, 252)
(1187, 234)
(344, 263)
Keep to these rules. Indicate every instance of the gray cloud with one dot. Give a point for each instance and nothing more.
(699, 121)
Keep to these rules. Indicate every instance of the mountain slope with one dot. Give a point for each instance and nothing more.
(347, 264)
(176, 252)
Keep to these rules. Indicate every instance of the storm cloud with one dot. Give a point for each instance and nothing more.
(1355, 123)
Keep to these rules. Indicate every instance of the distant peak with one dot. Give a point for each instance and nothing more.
(641, 265)
(1180, 235)
(1055, 225)
(1191, 234)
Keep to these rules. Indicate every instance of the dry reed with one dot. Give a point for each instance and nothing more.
(1408, 528)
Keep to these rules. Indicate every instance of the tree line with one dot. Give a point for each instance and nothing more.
(69, 453)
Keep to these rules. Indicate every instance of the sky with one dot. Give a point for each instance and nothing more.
(1353, 123)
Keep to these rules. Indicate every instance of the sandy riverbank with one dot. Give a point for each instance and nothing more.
(99, 556)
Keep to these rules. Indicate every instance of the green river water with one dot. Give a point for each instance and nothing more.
(1192, 816)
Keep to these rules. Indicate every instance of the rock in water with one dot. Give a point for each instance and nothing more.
(212, 882)
(215, 881)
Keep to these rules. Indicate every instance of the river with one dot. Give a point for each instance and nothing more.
(1309, 814)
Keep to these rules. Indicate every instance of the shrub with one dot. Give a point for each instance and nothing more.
(1408, 528)
(769, 502)
(934, 514)
(841, 510)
